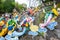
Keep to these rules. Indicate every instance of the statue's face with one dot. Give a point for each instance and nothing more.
(14, 14)
(58, 10)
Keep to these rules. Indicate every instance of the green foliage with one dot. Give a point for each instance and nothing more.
(6, 6)
(9, 5)
(58, 5)
(20, 7)
(41, 17)
(41, 34)
(48, 0)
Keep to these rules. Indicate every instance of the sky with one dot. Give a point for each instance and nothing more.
(33, 2)
(23, 1)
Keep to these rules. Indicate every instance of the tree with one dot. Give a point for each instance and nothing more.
(6, 5)
(9, 5)
(20, 7)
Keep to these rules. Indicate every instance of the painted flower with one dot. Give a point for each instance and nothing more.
(34, 28)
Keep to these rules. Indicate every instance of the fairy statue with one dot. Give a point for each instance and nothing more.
(15, 15)
(50, 20)
(3, 29)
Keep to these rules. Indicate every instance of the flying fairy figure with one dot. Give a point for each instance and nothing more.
(50, 20)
